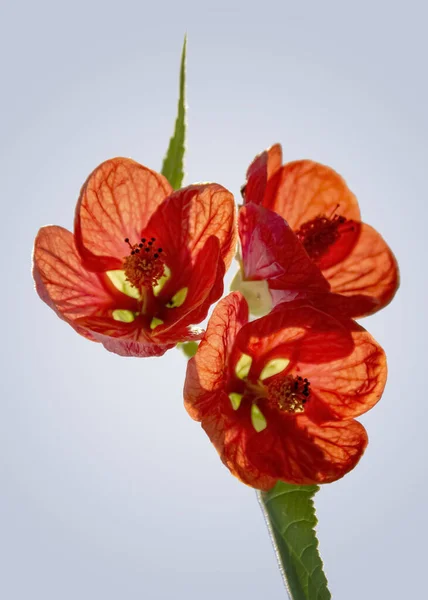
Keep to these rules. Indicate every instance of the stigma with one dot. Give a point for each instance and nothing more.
(319, 234)
(144, 266)
(289, 393)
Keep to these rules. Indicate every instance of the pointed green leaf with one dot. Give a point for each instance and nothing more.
(290, 515)
(173, 164)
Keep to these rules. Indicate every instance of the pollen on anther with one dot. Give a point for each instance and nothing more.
(320, 233)
(290, 394)
(143, 269)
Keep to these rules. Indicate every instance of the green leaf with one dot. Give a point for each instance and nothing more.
(290, 515)
(173, 163)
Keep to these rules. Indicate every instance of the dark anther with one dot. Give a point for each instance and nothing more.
(126, 240)
(159, 249)
(143, 240)
(140, 245)
(137, 250)
(153, 239)
(156, 255)
(132, 251)
(150, 243)
(147, 249)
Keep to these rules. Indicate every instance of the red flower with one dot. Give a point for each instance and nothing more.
(276, 268)
(322, 211)
(278, 396)
(144, 263)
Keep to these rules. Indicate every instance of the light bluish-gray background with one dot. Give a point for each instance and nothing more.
(108, 490)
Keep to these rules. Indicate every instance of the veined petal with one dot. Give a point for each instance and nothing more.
(124, 339)
(203, 281)
(271, 251)
(350, 386)
(204, 286)
(263, 167)
(336, 305)
(295, 450)
(116, 202)
(61, 280)
(299, 451)
(185, 221)
(370, 269)
(207, 370)
(232, 444)
(300, 334)
(303, 190)
(349, 233)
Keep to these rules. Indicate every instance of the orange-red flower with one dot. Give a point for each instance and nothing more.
(144, 263)
(278, 396)
(322, 211)
(276, 268)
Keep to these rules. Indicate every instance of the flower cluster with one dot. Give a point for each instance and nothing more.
(278, 394)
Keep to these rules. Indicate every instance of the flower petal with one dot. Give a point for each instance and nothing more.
(206, 371)
(336, 305)
(296, 450)
(230, 437)
(124, 339)
(292, 449)
(370, 269)
(349, 233)
(184, 222)
(271, 251)
(115, 203)
(204, 283)
(63, 283)
(303, 190)
(300, 334)
(263, 167)
(350, 386)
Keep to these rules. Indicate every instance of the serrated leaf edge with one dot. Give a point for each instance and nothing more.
(173, 163)
(264, 501)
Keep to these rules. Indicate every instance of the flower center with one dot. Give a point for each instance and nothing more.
(144, 266)
(319, 234)
(289, 393)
